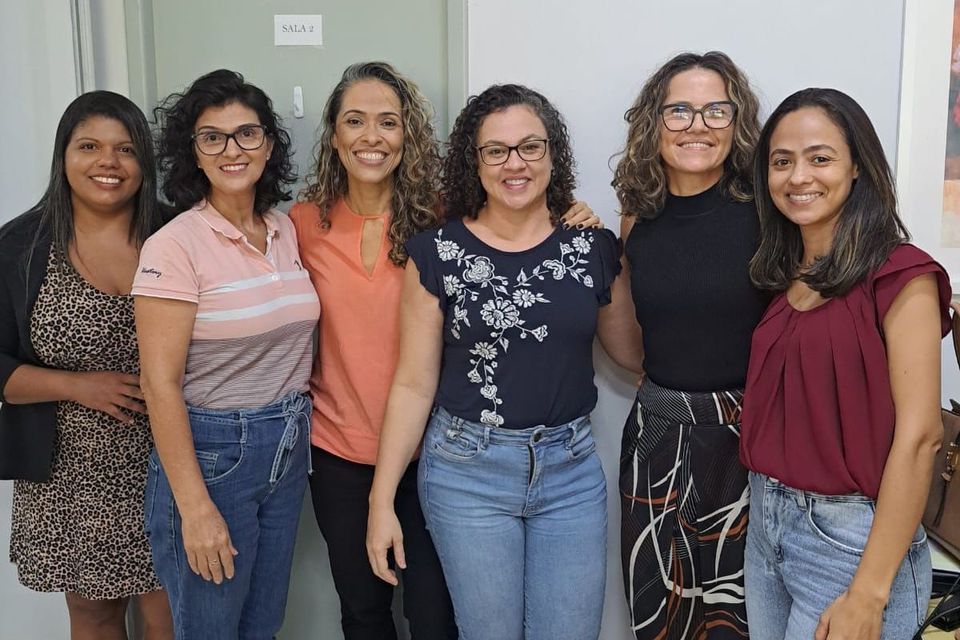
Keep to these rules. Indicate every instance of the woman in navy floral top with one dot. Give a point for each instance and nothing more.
(498, 316)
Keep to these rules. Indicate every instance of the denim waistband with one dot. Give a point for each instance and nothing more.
(802, 496)
(292, 402)
(538, 434)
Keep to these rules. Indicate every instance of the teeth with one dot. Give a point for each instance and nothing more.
(516, 181)
(233, 167)
(105, 179)
(804, 197)
(371, 155)
(695, 145)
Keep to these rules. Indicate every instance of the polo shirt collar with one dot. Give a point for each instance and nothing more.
(224, 227)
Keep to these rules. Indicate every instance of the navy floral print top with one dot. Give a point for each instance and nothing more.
(518, 326)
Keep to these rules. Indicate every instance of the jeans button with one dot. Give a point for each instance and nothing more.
(537, 437)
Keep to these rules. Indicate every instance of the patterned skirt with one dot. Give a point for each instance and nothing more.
(684, 512)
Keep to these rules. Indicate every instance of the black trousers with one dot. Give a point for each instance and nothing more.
(340, 489)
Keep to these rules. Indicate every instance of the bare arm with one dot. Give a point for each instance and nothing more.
(912, 330)
(408, 409)
(164, 328)
(111, 392)
(617, 325)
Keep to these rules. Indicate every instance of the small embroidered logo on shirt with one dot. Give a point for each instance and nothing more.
(150, 271)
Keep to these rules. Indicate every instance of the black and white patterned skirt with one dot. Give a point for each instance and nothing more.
(684, 499)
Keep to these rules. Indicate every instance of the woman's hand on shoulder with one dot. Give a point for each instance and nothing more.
(383, 533)
(112, 392)
(581, 216)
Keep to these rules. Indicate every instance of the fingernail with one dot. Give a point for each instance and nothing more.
(580, 226)
(565, 225)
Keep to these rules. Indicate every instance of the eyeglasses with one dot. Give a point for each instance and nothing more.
(680, 116)
(529, 150)
(247, 137)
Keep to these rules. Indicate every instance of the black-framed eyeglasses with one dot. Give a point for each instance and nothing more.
(715, 115)
(529, 150)
(248, 137)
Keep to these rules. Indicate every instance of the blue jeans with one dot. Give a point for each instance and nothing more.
(519, 520)
(803, 549)
(254, 463)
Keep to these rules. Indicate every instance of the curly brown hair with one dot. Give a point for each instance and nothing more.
(416, 178)
(640, 180)
(462, 193)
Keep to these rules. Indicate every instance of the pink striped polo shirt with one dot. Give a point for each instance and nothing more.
(253, 339)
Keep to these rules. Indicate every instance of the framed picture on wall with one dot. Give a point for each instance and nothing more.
(928, 149)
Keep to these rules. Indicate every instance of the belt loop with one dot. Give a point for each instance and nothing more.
(801, 498)
(486, 437)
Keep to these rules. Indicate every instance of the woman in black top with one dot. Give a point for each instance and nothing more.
(498, 315)
(689, 229)
(72, 427)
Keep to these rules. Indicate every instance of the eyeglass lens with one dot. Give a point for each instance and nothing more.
(215, 142)
(528, 150)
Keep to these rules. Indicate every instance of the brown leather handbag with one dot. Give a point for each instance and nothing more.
(942, 515)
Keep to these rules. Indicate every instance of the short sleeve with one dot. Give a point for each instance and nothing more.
(166, 270)
(607, 249)
(298, 216)
(426, 250)
(905, 263)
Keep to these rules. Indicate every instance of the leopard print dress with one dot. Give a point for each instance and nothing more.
(82, 531)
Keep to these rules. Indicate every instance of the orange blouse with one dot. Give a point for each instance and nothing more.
(359, 330)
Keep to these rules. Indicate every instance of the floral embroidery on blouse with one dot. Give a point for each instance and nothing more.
(502, 305)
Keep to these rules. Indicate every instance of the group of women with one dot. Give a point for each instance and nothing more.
(786, 334)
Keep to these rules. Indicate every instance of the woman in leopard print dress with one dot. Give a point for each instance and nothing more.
(73, 432)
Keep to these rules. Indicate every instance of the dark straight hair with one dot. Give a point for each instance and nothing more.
(184, 183)
(56, 208)
(868, 228)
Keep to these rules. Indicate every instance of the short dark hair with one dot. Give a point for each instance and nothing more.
(462, 193)
(184, 182)
(868, 228)
(56, 208)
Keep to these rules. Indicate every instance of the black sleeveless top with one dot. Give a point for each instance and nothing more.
(692, 290)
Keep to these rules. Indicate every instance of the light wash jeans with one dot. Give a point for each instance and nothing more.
(519, 520)
(803, 549)
(254, 463)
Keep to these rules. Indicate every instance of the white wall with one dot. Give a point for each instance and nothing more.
(38, 79)
(590, 58)
(922, 142)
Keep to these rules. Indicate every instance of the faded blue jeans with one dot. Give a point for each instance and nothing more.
(803, 549)
(519, 520)
(254, 463)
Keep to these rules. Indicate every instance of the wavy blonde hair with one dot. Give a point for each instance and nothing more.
(416, 178)
(640, 180)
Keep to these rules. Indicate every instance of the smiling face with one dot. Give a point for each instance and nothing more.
(368, 135)
(235, 171)
(811, 169)
(693, 159)
(101, 166)
(517, 184)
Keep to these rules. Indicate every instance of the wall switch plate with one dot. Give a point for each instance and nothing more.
(297, 30)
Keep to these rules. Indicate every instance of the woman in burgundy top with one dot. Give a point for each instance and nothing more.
(841, 415)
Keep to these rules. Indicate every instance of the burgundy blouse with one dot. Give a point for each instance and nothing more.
(818, 411)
